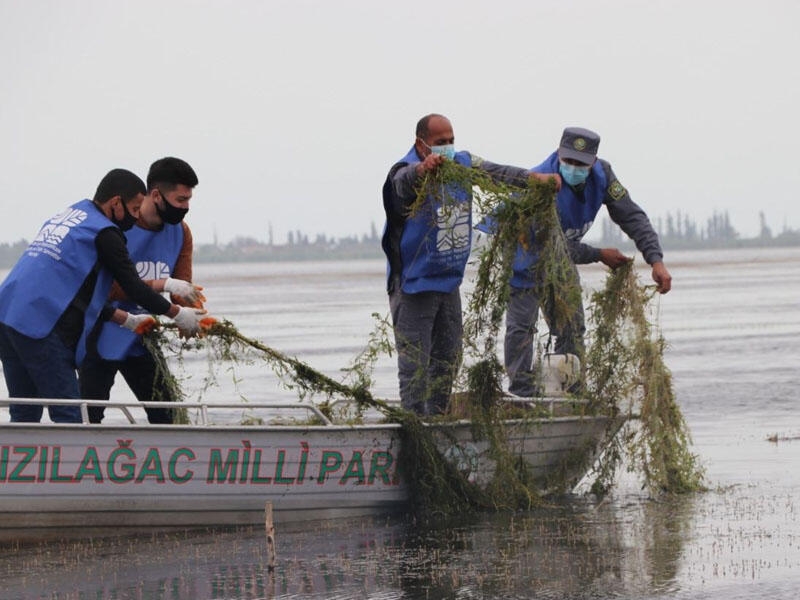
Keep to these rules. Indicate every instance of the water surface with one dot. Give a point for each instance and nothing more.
(732, 322)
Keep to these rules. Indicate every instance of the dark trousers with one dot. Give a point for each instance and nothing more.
(428, 335)
(42, 368)
(522, 315)
(142, 376)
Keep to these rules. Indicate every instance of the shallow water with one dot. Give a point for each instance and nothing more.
(732, 324)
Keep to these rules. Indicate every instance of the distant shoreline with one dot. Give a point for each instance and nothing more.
(369, 248)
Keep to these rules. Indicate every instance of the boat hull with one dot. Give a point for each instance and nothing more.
(59, 477)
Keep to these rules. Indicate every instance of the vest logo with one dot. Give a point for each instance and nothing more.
(48, 240)
(57, 228)
(453, 224)
(575, 234)
(148, 269)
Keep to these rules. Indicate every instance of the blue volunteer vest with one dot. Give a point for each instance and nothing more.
(154, 253)
(435, 243)
(576, 216)
(50, 272)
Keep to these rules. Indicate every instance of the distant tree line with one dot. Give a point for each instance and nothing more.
(679, 230)
(298, 246)
(676, 231)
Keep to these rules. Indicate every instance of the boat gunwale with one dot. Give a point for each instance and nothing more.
(99, 427)
(202, 407)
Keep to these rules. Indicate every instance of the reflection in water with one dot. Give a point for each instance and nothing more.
(558, 553)
(654, 535)
(668, 525)
(575, 550)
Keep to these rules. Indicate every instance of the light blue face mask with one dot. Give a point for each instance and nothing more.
(446, 150)
(573, 174)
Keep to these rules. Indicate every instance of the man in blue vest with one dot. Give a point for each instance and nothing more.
(588, 184)
(426, 254)
(54, 295)
(160, 245)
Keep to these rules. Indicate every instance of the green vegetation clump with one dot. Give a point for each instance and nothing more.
(436, 486)
(623, 364)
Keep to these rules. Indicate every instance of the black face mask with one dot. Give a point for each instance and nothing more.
(127, 221)
(170, 214)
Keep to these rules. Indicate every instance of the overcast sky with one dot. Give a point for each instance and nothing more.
(291, 112)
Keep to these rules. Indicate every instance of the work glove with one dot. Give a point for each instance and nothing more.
(185, 292)
(189, 320)
(140, 324)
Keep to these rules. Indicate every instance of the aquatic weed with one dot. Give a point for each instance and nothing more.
(625, 364)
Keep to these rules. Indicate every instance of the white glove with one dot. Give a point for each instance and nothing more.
(188, 320)
(188, 292)
(139, 324)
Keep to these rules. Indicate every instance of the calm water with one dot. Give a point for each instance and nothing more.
(732, 323)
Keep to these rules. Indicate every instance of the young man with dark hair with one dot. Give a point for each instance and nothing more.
(54, 295)
(160, 245)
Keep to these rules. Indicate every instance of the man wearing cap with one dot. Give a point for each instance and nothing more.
(427, 253)
(588, 184)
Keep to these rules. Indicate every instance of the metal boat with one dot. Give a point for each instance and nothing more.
(129, 474)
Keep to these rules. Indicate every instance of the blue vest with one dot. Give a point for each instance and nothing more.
(154, 253)
(436, 241)
(575, 214)
(50, 272)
